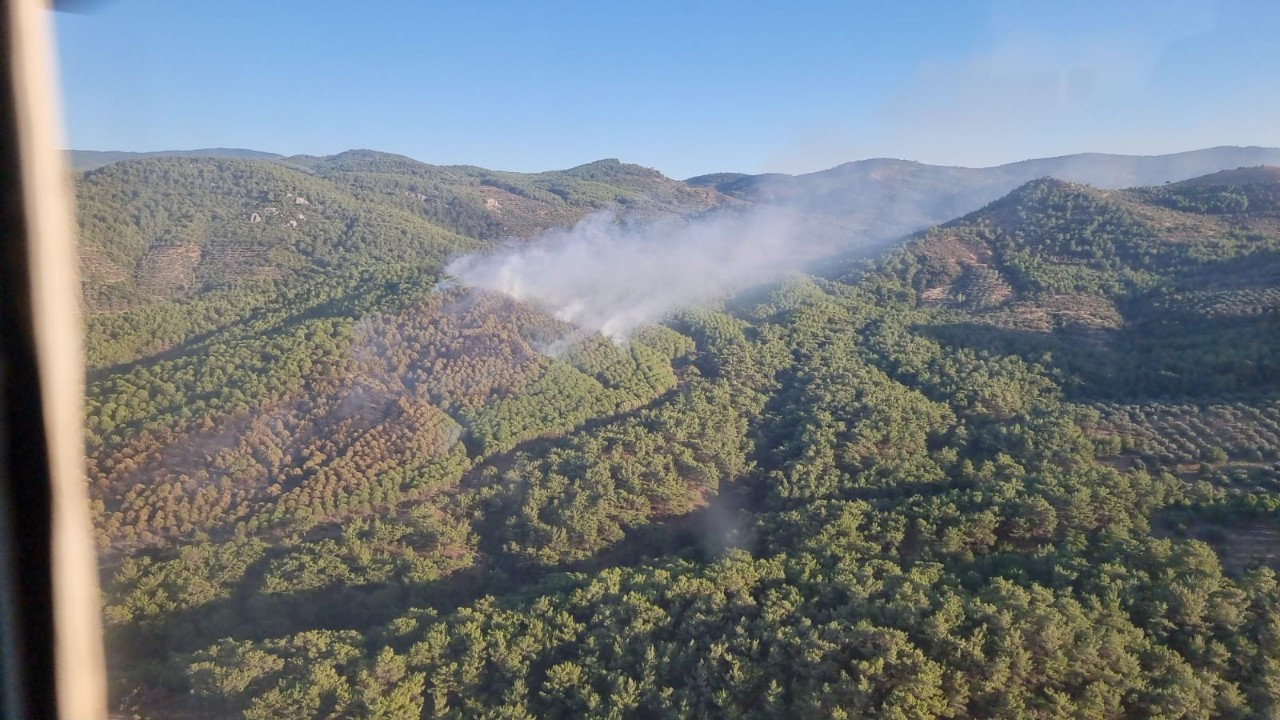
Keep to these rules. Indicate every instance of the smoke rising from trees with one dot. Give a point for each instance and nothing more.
(610, 277)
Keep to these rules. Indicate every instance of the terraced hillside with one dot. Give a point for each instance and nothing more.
(1132, 293)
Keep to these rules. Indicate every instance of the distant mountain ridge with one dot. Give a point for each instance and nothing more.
(93, 159)
(1239, 176)
(1103, 170)
(882, 199)
(171, 225)
(867, 202)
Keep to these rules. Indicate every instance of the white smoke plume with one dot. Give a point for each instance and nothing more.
(610, 278)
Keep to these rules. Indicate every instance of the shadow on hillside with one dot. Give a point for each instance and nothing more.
(195, 344)
(1259, 269)
(1159, 355)
(553, 439)
(703, 533)
(1079, 367)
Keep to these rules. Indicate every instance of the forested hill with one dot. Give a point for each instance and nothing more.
(93, 159)
(172, 228)
(1141, 292)
(1024, 464)
(163, 230)
(175, 225)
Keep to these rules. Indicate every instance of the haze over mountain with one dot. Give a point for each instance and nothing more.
(866, 202)
(884, 198)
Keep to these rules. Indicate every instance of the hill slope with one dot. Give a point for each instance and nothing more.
(1022, 465)
(171, 228)
(168, 228)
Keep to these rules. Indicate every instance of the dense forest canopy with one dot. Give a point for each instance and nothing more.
(1023, 464)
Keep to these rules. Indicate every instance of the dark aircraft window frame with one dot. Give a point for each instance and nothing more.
(51, 664)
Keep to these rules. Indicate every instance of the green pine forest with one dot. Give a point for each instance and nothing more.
(1023, 464)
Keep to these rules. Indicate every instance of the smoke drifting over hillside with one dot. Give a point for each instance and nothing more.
(607, 277)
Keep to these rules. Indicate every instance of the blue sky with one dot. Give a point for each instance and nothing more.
(685, 87)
